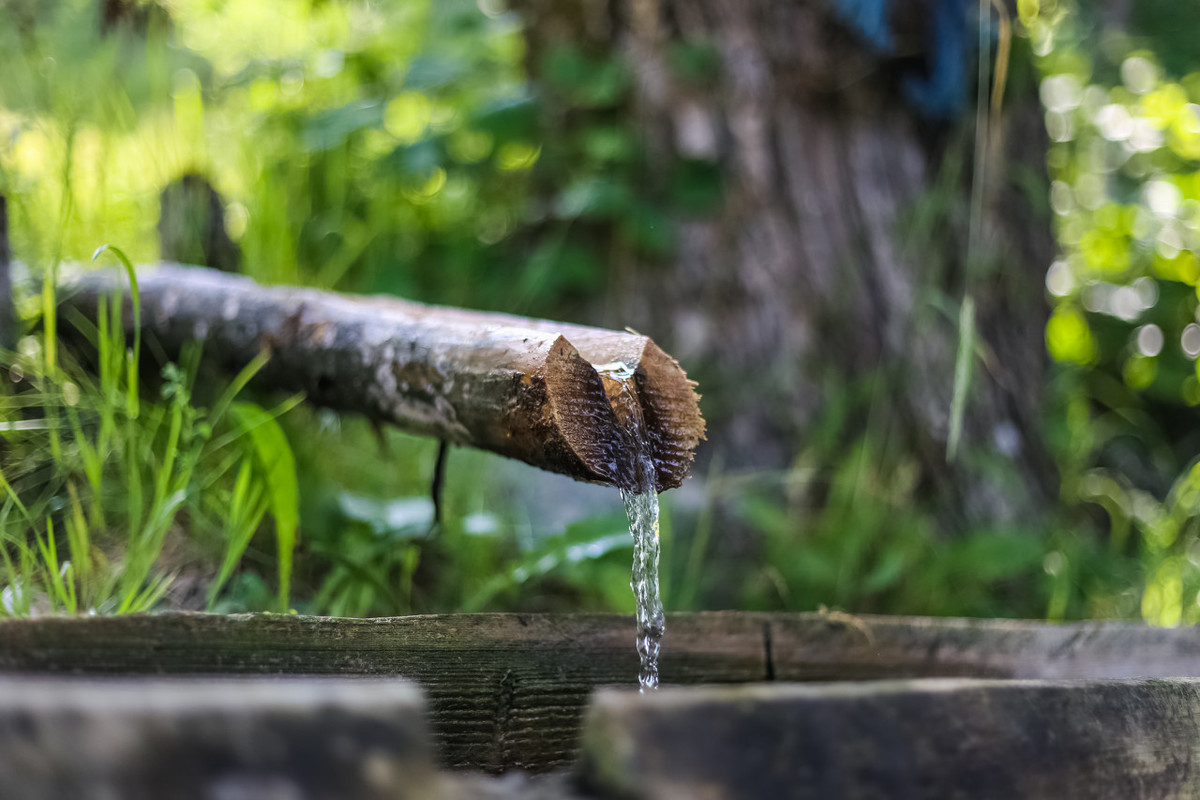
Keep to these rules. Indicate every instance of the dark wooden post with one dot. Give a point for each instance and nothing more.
(8, 309)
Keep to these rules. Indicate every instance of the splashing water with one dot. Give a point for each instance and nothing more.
(641, 506)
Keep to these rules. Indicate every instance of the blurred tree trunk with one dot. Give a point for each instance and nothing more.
(836, 258)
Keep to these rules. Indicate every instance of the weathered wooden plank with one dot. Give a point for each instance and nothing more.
(505, 691)
(70, 738)
(837, 646)
(529, 389)
(902, 740)
(508, 690)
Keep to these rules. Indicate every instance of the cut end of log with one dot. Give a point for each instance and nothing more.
(671, 408)
(578, 411)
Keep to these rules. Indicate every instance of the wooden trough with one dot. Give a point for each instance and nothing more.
(813, 705)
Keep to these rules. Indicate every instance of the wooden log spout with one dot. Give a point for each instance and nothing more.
(526, 389)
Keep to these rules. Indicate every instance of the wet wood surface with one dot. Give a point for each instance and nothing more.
(507, 691)
(902, 740)
(523, 388)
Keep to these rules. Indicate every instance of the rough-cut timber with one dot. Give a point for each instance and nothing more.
(527, 389)
(507, 690)
(204, 739)
(902, 740)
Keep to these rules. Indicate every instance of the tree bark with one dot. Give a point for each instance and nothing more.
(813, 276)
(526, 389)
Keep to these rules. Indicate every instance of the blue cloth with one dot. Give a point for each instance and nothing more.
(869, 18)
(942, 92)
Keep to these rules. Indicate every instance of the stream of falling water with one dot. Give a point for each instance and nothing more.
(642, 510)
(641, 506)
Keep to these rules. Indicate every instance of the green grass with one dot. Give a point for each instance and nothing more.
(397, 148)
(98, 477)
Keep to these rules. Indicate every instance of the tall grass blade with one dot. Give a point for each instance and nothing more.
(274, 457)
(963, 363)
(133, 357)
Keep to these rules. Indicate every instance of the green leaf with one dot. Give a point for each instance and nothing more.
(274, 458)
(417, 160)
(649, 230)
(507, 119)
(610, 144)
(886, 573)
(697, 187)
(993, 556)
(133, 357)
(586, 82)
(330, 129)
(596, 198)
(245, 511)
(429, 72)
(963, 362)
(393, 518)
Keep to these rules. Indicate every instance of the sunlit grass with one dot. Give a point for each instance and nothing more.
(97, 477)
(378, 147)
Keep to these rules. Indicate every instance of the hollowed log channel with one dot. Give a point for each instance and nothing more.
(526, 389)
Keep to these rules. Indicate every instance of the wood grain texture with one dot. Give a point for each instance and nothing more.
(508, 690)
(902, 740)
(526, 389)
(504, 691)
(836, 646)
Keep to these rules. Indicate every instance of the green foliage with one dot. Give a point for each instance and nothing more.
(588, 563)
(398, 147)
(371, 547)
(367, 147)
(1125, 164)
(586, 82)
(856, 536)
(393, 148)
(99, 478)
(277, 472)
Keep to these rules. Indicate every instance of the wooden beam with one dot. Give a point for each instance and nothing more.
(527, 389)
(903, 740)
(193, 739)
(505, 691)
(508, 690)
(837, 646)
